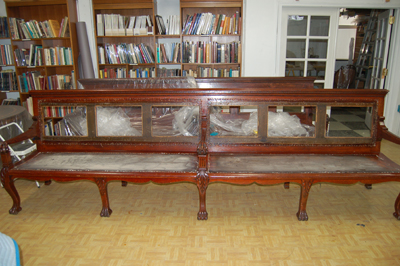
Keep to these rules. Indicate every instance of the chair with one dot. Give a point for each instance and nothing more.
(18, 150)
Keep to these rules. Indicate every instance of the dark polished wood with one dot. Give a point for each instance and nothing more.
(253, 159)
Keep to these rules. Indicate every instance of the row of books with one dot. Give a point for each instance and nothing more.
(112, 73)
(171, 27)
(57, 111)
(210, 24)
(168, 52)
(8, 80)
(37, 56)
(203, 72)
(119, 25)
(4, 33)
(33, 80)
(125, 53)
(6, 57)
(38, 29)
(11, 102)
(211, 52)
(146, 72)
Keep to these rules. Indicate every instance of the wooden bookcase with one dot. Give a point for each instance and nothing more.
(187, 7)
(42, 10)
(124, 8)
(228, 8)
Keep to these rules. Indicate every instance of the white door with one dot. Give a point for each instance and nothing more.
(308, 43)
(381, 50)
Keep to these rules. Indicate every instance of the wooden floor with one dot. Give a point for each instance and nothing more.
(248, 225)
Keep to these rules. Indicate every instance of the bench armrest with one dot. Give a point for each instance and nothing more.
(386, 134)
(29, 134)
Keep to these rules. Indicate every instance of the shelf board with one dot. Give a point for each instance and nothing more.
(126, 36)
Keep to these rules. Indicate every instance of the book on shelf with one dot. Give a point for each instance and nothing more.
(211, 24)
(34, 80)
(171, 27)
(125, 53)
(8, 80)
(6, 56)
(113, 73)
(10, 102)
(145, 72)
(4, 33)
(165, 72)
(168, 52)
(34, 29)
(211, 52)
(119, 25)
(58, 56)
(203, 72)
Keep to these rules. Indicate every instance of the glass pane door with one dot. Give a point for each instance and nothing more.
(308, 39)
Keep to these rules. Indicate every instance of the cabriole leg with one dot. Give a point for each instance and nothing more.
(102, 184)
(305, 189)
(9, 186)
(202, 181)
(397, 208)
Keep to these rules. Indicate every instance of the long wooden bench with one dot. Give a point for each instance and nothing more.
(204, 131)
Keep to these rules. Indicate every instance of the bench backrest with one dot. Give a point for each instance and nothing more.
(245, 105)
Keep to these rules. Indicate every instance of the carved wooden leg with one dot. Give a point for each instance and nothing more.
(202, 181)
(305, 189)
(397, 208)
(286, 185)
(9, 186)
(102, 184)
(124, 183)
(368, 186)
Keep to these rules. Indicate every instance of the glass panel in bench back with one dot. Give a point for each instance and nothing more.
(65, 121)
(291, 121)
(175, 120)
(119, 121)
(350, 122)
(233, 121)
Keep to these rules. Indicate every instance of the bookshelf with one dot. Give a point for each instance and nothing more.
(209, 51)
(123, 50)
(177, 52)
(63, 72)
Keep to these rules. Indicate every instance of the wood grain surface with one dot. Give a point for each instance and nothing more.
(248, 225)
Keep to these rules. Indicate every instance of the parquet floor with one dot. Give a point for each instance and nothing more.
(248, 225)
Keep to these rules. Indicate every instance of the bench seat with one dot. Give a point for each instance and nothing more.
(302, 163)
(111, 162)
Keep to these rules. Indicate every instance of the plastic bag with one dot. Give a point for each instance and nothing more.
(113, 121)
(283, 124)
(228, 127)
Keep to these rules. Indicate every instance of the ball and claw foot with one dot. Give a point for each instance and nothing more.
(397, 215)
(15, 210)
(202, 216)
(105, 212)
(302, 216)
(368, 186)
